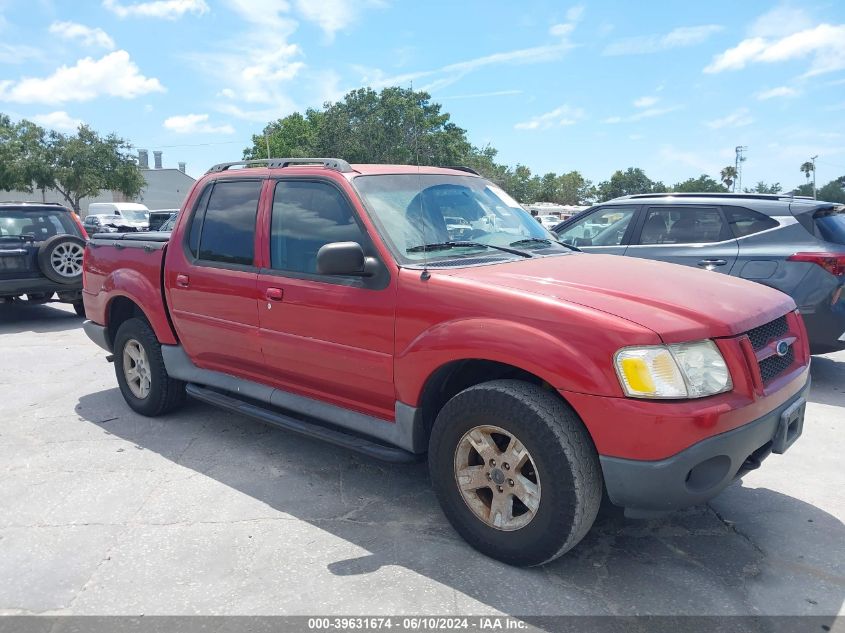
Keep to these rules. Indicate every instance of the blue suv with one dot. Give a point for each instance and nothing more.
(796, 245)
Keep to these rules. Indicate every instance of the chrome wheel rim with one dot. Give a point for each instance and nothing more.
(66, 259)
(497, 478)
(136, 369)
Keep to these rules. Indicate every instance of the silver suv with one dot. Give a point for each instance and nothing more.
(796, 245)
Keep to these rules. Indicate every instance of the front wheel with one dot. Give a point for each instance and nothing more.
(515, 471)
(141, 374)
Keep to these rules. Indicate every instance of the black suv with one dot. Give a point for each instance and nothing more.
(41, 247)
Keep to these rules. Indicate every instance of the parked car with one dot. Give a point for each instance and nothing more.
(41, 248)
(328, 299)
(458, 228)
(134, 213)
(170, 224)
(795, 245)
(548, 221)
(158, 217)
(101, 223)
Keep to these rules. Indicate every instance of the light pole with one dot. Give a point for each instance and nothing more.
(738, 166)
(814, 174)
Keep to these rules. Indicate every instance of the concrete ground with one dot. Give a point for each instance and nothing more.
(103, 511)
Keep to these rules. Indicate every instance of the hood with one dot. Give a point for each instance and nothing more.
(679, 303)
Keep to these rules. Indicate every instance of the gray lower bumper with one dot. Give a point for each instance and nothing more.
(97, 333)
(697, 473)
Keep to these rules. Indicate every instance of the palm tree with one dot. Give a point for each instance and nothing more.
(807, 167)
(728, 175)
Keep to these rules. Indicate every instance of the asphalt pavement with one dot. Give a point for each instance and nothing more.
(204, 512)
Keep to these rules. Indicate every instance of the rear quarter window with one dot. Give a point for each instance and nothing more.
(41, 224)
(747, 222)
(831, 226)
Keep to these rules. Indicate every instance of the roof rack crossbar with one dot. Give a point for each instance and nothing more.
(705, 194)
(279, 163)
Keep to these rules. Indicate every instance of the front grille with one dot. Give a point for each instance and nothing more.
(760, 336)
(774, 366)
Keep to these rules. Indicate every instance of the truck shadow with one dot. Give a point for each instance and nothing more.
(22, 317)
(828, 374)
(692, 562)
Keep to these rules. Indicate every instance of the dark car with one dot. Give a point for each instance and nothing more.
(41, 248)
(796, 245)
(103, 223)
(159, 217)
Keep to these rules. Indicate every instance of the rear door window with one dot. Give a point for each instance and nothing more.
(225, 232)
(831, 225)
(683, 225)
(747, 222)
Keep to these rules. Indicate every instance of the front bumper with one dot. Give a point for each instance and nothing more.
(701, 471)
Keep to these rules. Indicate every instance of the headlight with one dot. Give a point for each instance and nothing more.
(683, 370)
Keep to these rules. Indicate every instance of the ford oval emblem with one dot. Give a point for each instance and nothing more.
(782, 348)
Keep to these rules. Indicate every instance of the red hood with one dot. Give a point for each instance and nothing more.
(679, 303)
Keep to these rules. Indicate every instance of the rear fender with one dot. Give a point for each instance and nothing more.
(540, 353)
(135, 286)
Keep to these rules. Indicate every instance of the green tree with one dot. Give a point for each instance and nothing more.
(807, 168)
(396, 125)
(762, 187)
(834, 191)
(624, 183)
(23, 155)
(804, 190)
(728, 176)
(703, 183)
(84, 164)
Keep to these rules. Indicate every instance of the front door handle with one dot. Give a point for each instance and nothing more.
(182, 281)
(709, 263)
(274, 294)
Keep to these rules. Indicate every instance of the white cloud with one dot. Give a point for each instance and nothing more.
(165, 9)
(780, 22)
(645, 102)
(647, 113)
(114, 75)
(561, 116)
(18, 53)
(483, 95)
(676, 38)
(87, 35)
(824, 44)
(780, 91)
(737, 118)
(334, 15)
(693, 159)
(195, 124)
(573, 16)
(60, 121)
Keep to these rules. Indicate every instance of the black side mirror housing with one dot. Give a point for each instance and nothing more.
(345, 258)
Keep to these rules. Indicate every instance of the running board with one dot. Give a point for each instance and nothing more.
(302, 427)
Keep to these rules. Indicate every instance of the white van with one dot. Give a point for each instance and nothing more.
(138, 215)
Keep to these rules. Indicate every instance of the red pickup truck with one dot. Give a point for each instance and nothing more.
(331, 300)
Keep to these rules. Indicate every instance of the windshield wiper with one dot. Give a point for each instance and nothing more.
(439, 246)
(540, 240)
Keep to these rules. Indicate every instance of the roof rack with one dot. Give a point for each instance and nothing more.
(278, 163)
(34, 202)
(704, 194)
(469, 170)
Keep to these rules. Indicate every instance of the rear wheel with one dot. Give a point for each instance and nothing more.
(141, 373)
(37, 298)
(515, 471)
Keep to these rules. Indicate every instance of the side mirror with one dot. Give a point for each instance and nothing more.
(344, 258)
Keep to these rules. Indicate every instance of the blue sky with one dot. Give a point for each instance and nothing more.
(594, 86)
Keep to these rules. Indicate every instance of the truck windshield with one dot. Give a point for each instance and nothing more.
(134, 216)
(413, 211)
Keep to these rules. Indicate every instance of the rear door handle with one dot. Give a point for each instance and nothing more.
(183, 281)
(274, 294)
(712, 262)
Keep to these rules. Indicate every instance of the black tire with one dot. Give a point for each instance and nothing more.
(60, 259)
(165, 393)
(79, 308)
(562, 452)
